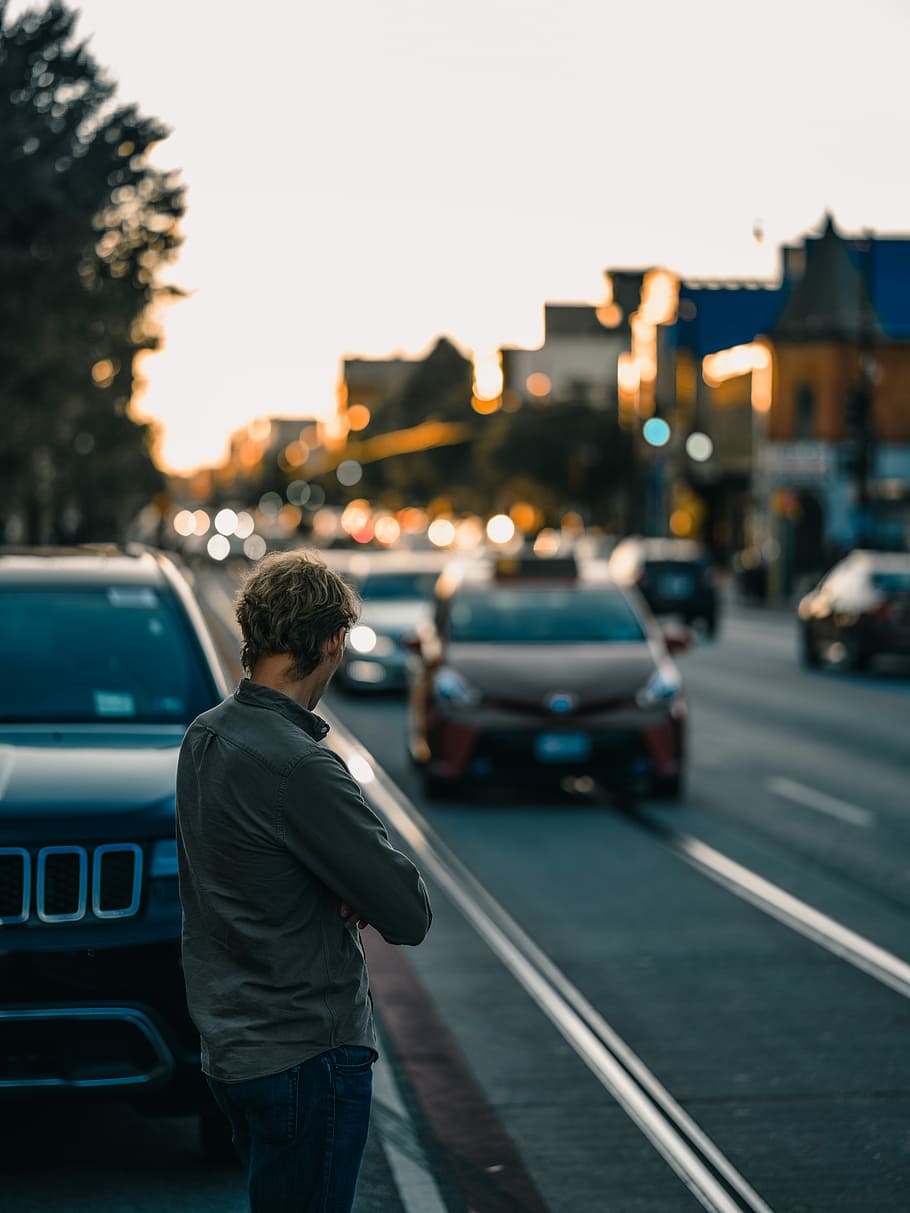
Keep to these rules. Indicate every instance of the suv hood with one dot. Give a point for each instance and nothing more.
(76, 779)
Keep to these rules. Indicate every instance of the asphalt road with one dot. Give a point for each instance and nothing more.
(792, 1060)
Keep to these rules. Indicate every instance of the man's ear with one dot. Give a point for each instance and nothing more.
(335, 643)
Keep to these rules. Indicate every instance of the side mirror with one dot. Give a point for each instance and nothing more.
(678, 638)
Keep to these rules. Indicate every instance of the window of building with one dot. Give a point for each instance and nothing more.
(805, 411)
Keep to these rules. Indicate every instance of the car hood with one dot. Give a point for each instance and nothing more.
(74, 778)
(396, 618)
(594, 673)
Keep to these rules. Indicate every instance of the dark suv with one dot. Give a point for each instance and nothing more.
(674, 576)
(105, 659)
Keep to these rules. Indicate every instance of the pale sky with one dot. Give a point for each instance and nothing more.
(363, 176)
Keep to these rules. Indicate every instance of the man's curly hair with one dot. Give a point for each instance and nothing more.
(291, 603)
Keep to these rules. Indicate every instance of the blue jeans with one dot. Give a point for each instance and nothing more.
(302, 1133)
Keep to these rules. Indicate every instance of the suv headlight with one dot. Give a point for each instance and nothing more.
(663, 684)
(452, 690)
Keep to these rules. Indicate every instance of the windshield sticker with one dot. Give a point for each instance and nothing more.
(156, 627)
(114, 703)
(140, 596)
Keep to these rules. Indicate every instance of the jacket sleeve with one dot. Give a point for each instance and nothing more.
(332, 831)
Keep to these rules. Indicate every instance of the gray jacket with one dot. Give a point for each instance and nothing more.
(272, 835)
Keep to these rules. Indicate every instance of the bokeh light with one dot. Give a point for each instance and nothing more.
(387, 530)
(289, 517)
(203, 522)
(254, 547)
(218, 547)
(270, 504)
(656, 432)
(547, 542)
(245, 525)
(358, 417)
(184, 523)
(441, 532)
(538, 384)
(468, 533)
(699, 447)
(298, 492)
(500, 528)
(226, 522)
(355, 516)
(349, 472)
(681, 523)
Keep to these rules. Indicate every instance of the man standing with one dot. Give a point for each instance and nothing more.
(281, 861)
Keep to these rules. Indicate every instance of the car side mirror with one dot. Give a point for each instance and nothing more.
(678, 638)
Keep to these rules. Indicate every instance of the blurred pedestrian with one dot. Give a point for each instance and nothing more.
(281, 862)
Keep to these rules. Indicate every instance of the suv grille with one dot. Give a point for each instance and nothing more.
(64, 884)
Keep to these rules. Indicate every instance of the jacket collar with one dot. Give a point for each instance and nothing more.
(260, 696)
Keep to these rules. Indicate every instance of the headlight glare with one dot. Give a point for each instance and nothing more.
(663, 684)
(362, 639)
(450, 688)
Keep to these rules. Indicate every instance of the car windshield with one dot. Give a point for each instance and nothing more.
(892, 582)
(397, 585)
(100, 655)
(672, 568)
(545, 616)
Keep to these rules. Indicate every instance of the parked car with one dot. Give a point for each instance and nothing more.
(396, 593)
(859, 609)
(674, 576)
(530, 669)
(106, 658)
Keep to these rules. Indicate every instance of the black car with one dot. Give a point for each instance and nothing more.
(674, 576)
(859, 609)
(106, 658)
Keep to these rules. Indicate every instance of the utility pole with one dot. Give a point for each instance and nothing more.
(860, 455)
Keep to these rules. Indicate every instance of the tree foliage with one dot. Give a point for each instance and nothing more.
(557, 456)
(438, 389)
(86, 222)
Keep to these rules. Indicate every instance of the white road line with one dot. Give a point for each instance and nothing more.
(813, 924)
(810, 798)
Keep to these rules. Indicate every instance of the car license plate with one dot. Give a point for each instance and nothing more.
(675, 587)
(561, 747)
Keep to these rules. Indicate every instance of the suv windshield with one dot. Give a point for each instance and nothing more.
(552, 616)
(99, 654)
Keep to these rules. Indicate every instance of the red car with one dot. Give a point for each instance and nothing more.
(530, 669)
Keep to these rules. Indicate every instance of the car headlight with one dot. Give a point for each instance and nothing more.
(362, 639)
(164, 858)
(451, 689)
(663, 684)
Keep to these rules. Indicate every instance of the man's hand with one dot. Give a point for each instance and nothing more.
(352, 918)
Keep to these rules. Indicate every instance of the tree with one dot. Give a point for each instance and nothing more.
(438, 389)
(558, 456)
(86, 223)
